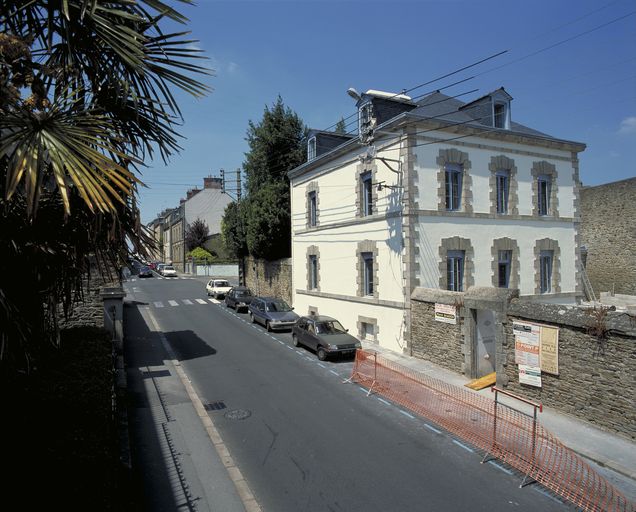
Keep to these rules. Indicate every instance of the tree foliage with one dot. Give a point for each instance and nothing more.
(196, 234)
(276, 145)
(260, 225)
(85, 98)
(199, 254)
(233, 228)
(268, 232)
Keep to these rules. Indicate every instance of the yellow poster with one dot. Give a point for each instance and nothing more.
(549, 350)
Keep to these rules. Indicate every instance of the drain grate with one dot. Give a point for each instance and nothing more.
(215, 406)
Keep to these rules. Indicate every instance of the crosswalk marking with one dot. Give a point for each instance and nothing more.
(201, 301)
(183, 302)
(173, 303)
(214, 301)
(158, 304)
(187, 301)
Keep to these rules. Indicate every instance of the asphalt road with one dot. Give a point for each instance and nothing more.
(305, 440)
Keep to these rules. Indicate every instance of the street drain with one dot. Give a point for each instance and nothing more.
(215, 406)
(238, 414)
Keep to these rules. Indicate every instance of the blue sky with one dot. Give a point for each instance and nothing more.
(310, 52)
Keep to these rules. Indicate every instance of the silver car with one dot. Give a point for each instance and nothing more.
(275, 314)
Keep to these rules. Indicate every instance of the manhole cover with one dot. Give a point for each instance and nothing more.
(238, 414)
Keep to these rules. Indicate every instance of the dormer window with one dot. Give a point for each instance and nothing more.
(311, 148)
(500, 115)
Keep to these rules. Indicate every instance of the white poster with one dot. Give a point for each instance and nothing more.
(445, 313)
(527, 340)
(530, 375)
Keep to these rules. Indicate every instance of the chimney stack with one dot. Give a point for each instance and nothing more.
(211, 182)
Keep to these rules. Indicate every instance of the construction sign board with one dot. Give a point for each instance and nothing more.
(536, 345)
(445, 313)
(527, 340)
(549, 350)
(530, 375)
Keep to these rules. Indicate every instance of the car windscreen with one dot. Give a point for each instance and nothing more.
(221, 283)
(168, 268)
(278, 306)
(243, 293)
(331, 327)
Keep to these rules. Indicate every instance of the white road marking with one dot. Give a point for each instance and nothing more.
(201, 301)
(499, 466)
(407, 414)
(383, 401)
(173, 303)
(158, 304)
(462, 445)
(214, 301)
(187, 301)
(430, 427)
(322, 365)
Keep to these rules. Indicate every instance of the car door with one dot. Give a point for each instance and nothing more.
(311, 340)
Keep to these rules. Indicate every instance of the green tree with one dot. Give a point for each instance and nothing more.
(268, 231)
(276, 145)
(199, 254)
(196, 234)
(341, 127)
(85, 98)
(233, 228)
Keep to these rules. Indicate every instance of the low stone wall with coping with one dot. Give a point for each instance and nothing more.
(597, 380)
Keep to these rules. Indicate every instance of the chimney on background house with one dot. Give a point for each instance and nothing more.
(192, 192)
(211, 182)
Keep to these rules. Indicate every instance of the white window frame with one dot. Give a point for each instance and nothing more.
(455, 265)
(453, 179)
(544, 192)
(311, 148)
(546, 271)
(313, 209)
(366, 186)
(502, 185)
(504, 257)
(367, 272)
(313, 272)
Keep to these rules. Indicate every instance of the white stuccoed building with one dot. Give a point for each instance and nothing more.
(441, 194)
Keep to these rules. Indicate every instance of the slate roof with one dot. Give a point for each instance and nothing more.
(446, 108)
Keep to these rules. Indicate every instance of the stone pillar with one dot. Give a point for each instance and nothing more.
(113, 298)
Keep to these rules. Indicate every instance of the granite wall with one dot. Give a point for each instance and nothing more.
(268, 278)
(596, 381)
(608, 231)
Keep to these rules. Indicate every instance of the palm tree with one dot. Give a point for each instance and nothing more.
(86, 97)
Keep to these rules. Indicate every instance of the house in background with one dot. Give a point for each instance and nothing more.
(207, 204)
(434, 194)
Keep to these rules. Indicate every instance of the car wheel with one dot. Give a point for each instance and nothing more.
(268, 327)
(322, 354)
(252, 317)
(295, 341)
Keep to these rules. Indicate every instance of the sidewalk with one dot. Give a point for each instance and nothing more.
(612, 455)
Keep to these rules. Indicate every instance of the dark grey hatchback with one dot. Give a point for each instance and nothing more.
(325, 335)
(239, 297)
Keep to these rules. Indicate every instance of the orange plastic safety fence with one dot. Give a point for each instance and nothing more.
(508, 434)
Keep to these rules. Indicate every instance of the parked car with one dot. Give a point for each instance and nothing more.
(272, 313)
(145, 272)
(238, 297)
(168, 271)
(325, 335)
(217, 288)
(159, 267)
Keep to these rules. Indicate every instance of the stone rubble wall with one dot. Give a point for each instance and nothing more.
(608, 231)
(434, 341)
(269, 278)
(596, 384)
